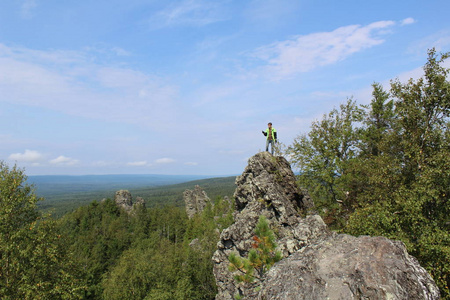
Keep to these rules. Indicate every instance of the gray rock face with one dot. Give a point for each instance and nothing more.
(195, 200)
(343, 267)
(139, 202)
(318, 264)
(266, 187)
(124, 200)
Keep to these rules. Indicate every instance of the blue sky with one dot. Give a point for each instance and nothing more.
(185, 87)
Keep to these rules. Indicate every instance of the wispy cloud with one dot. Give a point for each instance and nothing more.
(189, 13)
(165, 160)
(27, 8)
(71, 82)
(439, 40)
(120, 52)
(407, 21)
(304, 53)
(271, 13)
(63, 160)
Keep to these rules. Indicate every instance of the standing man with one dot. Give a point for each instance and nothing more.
(271, 135)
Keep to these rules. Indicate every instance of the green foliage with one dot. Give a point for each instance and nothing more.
(260, 258)
(395, 180)
(165, 264)
(99, 251)
(378, 120)
(146, 255)
(411, 175)
(33, 260)
(97, 235)
(325, 154)
(151, 269)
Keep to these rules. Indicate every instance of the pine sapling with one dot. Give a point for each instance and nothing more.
(260, 258)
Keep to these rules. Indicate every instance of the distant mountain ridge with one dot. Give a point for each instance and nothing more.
(50, 185)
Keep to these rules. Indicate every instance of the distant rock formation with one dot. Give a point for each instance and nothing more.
(318, 264)
(139, 202)
(124, 200)
(195, 201)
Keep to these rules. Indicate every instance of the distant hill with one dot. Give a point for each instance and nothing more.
(173, 194)
(63, 194)
(50, 185)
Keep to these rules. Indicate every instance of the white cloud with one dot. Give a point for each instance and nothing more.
(307, 52)
(30, 156)
(407, 21)
(63, 160)
(190, 13)
(191, 163)
(164, 160)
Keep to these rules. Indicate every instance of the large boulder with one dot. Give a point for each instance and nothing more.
(318, 263)
(343, 267)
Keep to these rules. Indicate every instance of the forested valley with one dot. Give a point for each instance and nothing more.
(63, 200)
(99, 251)
(381, 169)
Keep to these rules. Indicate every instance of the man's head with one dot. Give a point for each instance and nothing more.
(269, 124)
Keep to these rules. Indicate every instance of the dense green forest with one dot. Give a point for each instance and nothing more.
(379, 169)
(63, 201)
(146, 255)
(99, 251)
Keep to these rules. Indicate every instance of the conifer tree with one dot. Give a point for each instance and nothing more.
(260, 258)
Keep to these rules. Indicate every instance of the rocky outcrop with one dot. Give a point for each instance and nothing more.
(324, 265)
(124, 200)
(347, 267)
(140, 202)
(195, 201)
(266, 187)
